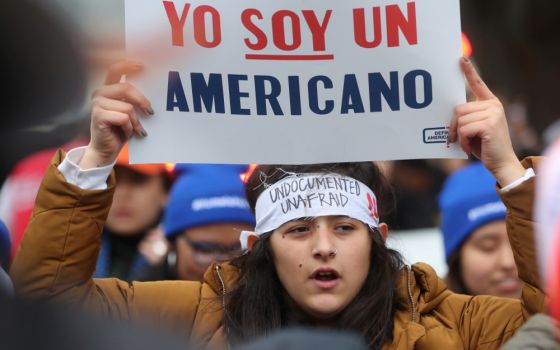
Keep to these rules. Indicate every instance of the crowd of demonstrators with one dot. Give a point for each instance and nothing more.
(309, 265)
(313, 268)
(206, 211)
(133, 243)
(477, 248)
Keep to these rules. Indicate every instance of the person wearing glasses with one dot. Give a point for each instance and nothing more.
(206, 211)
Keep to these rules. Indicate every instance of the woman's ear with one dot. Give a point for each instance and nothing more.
(384, 230)
(251, 240)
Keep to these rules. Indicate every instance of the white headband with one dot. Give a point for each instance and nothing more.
(312, 195)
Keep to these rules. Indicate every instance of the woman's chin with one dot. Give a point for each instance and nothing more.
(325, 308)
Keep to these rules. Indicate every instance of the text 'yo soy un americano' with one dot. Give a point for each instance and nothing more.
(391, 26)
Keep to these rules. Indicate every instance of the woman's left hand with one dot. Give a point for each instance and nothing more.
(481, 129)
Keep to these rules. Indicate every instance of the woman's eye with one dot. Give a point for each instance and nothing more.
(488, 246)
(298, 229)
(345, 228)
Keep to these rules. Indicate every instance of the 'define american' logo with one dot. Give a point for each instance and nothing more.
(436, 135)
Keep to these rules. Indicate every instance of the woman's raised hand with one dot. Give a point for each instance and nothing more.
(114, 117)
(481, 129)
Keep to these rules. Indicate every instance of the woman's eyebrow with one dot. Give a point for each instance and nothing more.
(308, 218)
(488, 236)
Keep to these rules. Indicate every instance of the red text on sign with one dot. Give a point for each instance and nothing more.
(395, 23)
(281, 38)
(200, 15)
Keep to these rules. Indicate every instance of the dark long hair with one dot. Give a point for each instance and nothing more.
(259, 304)
(454, 277)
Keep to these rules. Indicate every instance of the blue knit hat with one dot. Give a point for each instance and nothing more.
(206, 194)
(468, 200)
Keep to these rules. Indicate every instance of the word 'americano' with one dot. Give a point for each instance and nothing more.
(231, 93)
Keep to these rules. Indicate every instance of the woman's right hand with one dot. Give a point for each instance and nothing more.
(113, 117)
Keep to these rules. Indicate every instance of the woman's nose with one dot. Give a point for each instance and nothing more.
(323, 247)
(507, 260)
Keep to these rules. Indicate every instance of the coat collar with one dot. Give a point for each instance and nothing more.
(221, 277)
(420, 288)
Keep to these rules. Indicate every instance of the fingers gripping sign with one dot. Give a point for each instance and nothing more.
(481, 129)
(114, 116)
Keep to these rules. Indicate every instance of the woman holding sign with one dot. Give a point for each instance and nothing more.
(317, 256)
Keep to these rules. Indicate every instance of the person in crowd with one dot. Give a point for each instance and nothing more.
(477, 247)
(310, 260)
(206, 211)
(17, 195)
(133, 241)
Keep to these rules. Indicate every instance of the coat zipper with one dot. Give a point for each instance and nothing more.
(217, 268)
(410, 298)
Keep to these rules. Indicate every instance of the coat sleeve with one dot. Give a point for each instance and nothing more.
(57, 257)
(520, 202)
(487, 322)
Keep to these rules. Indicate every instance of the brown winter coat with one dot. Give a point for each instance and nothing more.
(58, 254)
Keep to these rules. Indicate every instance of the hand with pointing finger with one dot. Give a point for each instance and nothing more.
(114, 117)
(481, 129)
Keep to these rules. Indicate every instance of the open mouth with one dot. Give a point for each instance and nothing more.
(325, 275)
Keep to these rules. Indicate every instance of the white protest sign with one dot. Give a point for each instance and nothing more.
(292, 81)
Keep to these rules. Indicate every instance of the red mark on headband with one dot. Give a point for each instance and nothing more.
(372, 207)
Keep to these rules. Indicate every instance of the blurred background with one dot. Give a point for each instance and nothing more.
(515, 44)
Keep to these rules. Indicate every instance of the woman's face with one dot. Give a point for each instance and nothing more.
(322, 262)
(487, 263)
(137, 202)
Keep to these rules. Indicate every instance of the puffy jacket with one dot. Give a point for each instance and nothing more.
(59, 251)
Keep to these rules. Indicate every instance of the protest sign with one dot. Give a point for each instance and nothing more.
(267, 81)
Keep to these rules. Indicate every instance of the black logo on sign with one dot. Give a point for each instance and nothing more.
(435, 135)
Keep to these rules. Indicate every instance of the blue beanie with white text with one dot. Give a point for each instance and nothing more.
(205, 194)
(468, 201)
